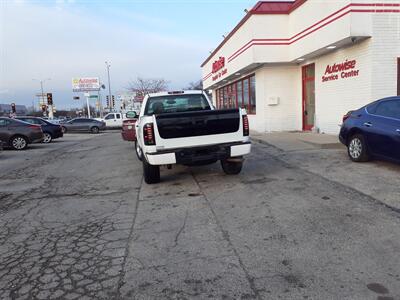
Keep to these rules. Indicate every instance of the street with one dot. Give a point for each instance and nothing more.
(78, 222)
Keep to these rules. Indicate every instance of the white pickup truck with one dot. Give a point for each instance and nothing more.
(114, 119)
(184, 128)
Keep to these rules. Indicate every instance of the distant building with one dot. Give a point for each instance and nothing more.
(5, 109)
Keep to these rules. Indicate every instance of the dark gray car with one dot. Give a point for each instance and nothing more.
(18, 134)
(83, 125)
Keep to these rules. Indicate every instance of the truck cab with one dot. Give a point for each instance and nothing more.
(113, 120)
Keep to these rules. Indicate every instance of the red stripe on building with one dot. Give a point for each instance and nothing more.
(279, 42)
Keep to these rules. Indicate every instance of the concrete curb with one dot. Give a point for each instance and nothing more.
(317, 146)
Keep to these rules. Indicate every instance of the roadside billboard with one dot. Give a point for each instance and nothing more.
(85, 84)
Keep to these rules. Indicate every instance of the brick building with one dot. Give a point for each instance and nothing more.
(302, 65)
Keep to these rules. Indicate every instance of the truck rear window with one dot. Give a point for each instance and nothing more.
(176, 103)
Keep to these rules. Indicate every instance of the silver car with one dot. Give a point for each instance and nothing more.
(83, 125)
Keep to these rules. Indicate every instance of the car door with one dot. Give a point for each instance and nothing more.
(110, 120)
(75, 125)
(82, 125)
(383, 129)
(87, 124)
(118, 120)
(4, 131)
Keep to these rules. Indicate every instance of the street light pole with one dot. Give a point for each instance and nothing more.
(109, 83)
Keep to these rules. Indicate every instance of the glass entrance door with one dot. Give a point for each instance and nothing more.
(308, 78)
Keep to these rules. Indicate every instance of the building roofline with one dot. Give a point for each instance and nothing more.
(256, 11)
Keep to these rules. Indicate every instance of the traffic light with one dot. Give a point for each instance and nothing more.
(49, 99)
(113, 101)
(108, 101)
(13, 108)
(44, 107)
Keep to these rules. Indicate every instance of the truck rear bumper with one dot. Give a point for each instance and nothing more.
(198, 154)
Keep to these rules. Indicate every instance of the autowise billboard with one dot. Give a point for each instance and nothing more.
(85, 84)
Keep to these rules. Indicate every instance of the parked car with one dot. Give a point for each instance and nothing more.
(83, 125)
(56, 121)
(50, 131)
(183, 127)
(373, 131)
(115, 119)
(128, 127)
(18, 134)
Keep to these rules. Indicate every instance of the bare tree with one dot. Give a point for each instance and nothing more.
(147, 85)
(195, 85)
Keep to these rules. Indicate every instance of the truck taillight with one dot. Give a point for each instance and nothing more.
(148, 134)
(246, 127)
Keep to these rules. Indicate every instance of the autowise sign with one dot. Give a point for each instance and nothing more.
(85, 84)
(218, 68)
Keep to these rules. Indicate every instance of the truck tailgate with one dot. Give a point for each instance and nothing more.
(199, 123)
(195, 129)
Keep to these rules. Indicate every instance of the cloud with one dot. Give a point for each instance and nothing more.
(46, 41)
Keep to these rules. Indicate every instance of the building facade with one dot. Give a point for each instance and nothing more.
(302, 65)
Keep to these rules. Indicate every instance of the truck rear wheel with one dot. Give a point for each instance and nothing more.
(151, 173)
(138, 150)
(231, 167)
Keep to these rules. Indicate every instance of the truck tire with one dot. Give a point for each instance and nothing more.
(138, 151)
(151, 173)
(231, 168)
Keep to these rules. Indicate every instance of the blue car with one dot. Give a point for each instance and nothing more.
(373, 131)
(50, 131)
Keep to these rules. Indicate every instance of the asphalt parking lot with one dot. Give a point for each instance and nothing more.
(77, 222)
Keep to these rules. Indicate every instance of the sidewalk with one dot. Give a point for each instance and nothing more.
(298, 141)
(377, 179)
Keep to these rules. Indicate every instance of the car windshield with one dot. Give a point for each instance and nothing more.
(176, 103)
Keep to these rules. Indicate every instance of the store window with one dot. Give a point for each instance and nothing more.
(241, 93)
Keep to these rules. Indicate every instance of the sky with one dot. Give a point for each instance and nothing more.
(61, 39)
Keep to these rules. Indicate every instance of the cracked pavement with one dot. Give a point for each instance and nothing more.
(77, 222)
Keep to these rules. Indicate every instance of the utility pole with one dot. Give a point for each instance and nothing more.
(102, 86)
(109, 83)
(87, 95)
(42, 96)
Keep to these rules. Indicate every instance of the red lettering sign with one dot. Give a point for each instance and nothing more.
(346, 70)
(346, 65)
(218, 64)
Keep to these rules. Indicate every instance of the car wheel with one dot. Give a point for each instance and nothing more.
(47, 138)
(231, 167)
(138, 150)
(357, 148)
(19, 142)
(151, 173)
(94, 129)
(64, 129)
